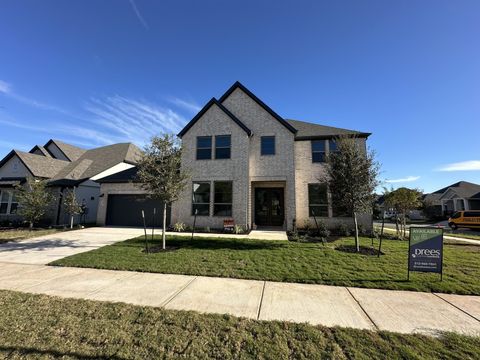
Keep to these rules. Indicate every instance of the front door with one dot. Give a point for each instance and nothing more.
(269, 206)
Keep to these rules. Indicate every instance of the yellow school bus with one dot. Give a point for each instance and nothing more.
(465, 219)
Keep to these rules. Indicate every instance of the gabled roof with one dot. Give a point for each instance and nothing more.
(238, 85)
(38, 165)
(41, 149)
(70, 151)
(125, 176)
(212, 102)
(310, 131)
(463, 189)
(94, 161)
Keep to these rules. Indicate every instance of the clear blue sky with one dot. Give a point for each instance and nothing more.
(97, 72)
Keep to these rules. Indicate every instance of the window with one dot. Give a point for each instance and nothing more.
(222, 147)
(4, 197)
(268, 145)
(222, 203)
(332, 146)
(8, 202)
(204, 147)
(317, 200)
(318, 151)
(13, 203)
(201, 198)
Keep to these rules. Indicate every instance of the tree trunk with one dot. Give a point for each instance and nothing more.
(404, 224)
(357, 244)
(381, 234)
(164, 225)
(71, 221)
(31, 225)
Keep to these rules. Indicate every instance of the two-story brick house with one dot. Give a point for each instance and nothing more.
(248, 163)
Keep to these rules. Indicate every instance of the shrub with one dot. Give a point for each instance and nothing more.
(238, 229)
(344, 230)
(179, 227)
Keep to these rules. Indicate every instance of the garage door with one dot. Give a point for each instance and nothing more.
(126, 210)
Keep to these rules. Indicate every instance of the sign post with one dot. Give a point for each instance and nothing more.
(425, 250)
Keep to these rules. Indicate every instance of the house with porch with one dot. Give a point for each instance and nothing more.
(249, 164)
(64, 167)
(462, 195)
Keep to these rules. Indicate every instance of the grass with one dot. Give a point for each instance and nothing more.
(40, 326)
(290, 262)
(446, 232)
(20, 234)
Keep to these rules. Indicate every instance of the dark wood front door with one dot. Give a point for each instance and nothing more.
(269, 207)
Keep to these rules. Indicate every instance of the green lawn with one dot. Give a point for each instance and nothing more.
(40, 326)
(290, 262)
(20, 234)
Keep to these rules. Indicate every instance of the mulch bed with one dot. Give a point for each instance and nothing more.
(158, 249)
(363, 250)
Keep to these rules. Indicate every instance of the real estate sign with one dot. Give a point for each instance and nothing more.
(425, 252)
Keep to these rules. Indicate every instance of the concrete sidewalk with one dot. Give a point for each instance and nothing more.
(399, 311)
(446, 237)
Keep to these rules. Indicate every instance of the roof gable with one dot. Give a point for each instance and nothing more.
(71, 152)
(212, 102)
(38, 165)
(238, 85)
(463, 189)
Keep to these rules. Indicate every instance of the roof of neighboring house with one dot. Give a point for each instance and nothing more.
(38, 165)
(463, 189)
(94, 161)
(310, 131)
(41, 149)
(70, 151)
(129, 175)
(212, 102)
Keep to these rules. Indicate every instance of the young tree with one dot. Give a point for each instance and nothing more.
(404, 200)
(352, 178)
(34, 199)
(160, 174)
(71, 205)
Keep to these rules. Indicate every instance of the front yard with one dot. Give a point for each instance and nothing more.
(20, 234)
(39, 326)
(290, 262)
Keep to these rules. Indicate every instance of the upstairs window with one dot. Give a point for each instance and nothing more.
(268, 145)
(201, 198)
(318, 151)
(222, 146)
(317, 200)
(332, 146)
(204, 147)
(222, 203)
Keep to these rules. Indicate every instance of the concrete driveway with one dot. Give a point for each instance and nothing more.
(45, 249)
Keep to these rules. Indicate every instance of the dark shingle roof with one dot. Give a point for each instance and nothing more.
(94, 161)
(129, 175)
(311, 131)
(70, 151)
(463, 189)
(41, 149)
(39, 165)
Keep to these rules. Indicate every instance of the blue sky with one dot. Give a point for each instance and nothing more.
(97, 72)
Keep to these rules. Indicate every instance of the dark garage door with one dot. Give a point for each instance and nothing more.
(126, 210)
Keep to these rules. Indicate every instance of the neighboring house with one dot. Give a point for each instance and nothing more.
(122, 201)
(460, 196)
(248, 163)
(65, 167)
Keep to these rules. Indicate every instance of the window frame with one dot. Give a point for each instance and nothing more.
(274, 145)
(229, 147)
(330, 142)
(215, 203)
(323, 152)
(310, 205)
(204, 148)
(9, 201)
(201, 203)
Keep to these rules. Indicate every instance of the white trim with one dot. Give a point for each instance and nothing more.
(113, 170)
